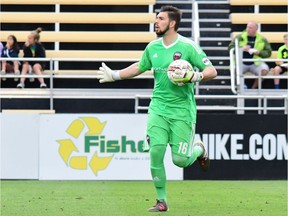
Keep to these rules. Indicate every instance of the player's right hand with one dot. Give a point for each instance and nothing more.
(105, 74)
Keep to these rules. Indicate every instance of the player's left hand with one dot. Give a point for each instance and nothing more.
(187, 77)
(196, 77)
(181, 76)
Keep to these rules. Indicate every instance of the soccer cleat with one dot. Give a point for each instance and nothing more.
(160, 206)
(203, 159)
(21, 86)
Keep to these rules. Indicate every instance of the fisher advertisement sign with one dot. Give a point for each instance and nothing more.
(96, 147)
(109, 147)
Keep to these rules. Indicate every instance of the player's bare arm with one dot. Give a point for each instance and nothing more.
(209, 73)
(129, 72)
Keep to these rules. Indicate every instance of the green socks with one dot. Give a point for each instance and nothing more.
(158, 170)
(159, 179)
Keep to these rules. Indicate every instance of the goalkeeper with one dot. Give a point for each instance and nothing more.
(172, 110)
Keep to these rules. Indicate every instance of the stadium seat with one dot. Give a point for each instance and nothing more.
(82, 37)
(30, 111)
(102, 54)
(85, 18)
(145, 75)
(272, 37)
(77, 2)
(263, 18)
(258, 2)
(128, 55)
(274, 55)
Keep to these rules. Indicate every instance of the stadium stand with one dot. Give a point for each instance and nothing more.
(258, 2)
(116, 31)
(263, 18)
(76, 2)
(30, 111)
(112, 31)
(272, 19)
(103, 18)
(272, 37)
(84, 37)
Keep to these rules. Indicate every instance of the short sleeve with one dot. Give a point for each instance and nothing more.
(145, 61)
(15, 53)
(198, 57)
(26, 51)
(41, 51)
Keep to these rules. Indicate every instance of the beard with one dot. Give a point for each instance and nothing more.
(161, 33)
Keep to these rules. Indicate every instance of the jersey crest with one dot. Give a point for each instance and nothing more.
(177, 56)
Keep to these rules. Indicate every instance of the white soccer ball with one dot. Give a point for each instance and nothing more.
(178, 70)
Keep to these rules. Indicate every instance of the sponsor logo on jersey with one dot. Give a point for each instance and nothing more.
(177, 55)
(155, 55)
(206, 61)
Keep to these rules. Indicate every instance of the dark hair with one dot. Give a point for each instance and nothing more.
(15, 46)
(36, 33)
(173, 13)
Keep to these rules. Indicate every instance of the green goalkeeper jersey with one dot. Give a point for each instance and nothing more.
(168, 99)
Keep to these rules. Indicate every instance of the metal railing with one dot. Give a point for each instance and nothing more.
(51, 93)
(53, 74)
(262, 109)
(195, 22)
(236, 71)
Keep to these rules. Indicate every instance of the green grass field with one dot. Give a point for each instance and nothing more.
(125, 198)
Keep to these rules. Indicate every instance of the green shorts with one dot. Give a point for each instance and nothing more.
(162, 131)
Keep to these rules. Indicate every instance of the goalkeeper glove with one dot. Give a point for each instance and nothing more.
(190, 76)
(196, 77)
(105, 74)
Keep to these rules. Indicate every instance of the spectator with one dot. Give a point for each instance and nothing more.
(1, 47)
(33, 49)
(254, 46)
(11, 50)
(281, 67)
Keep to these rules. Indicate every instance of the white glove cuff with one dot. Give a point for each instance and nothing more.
(197, 77)
(115, 75)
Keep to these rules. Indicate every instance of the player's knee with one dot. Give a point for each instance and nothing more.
(153, 152)
(180, 161)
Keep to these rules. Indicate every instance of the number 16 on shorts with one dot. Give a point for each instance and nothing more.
(183, 147)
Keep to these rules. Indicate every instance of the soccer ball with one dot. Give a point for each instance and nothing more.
(179, 72)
